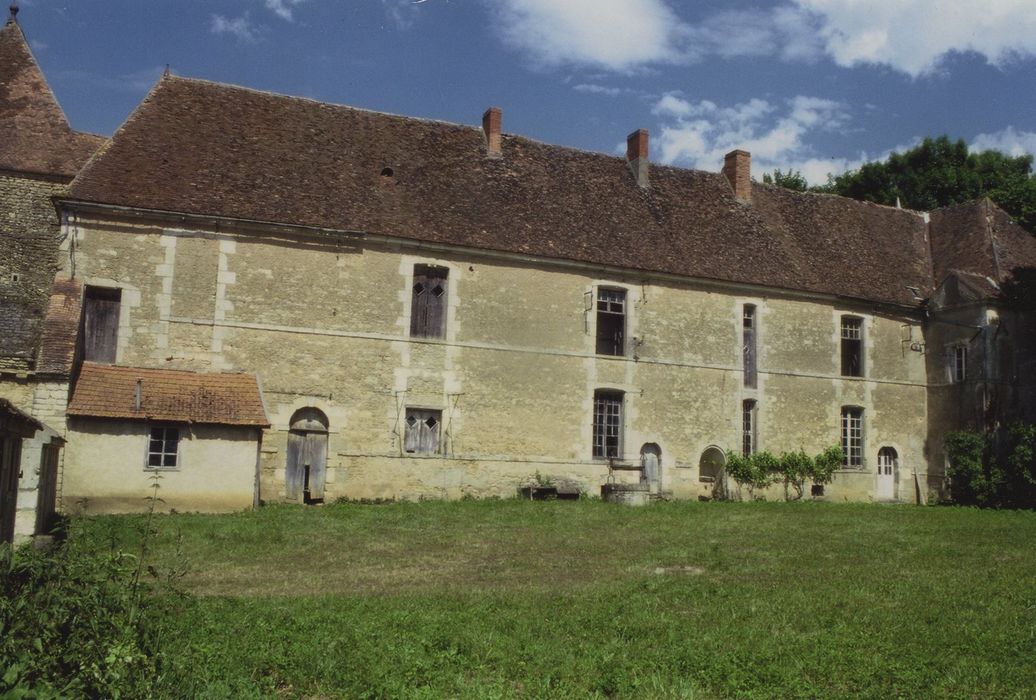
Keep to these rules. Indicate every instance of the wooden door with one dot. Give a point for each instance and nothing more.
(10, 458)
(305, 470)
(47, 494)
(100, 324)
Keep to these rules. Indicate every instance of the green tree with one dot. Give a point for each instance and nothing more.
(940, 172)
(791, 180)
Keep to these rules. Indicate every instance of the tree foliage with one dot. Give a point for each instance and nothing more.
(940, 172)
(791, 180)
(982, 475)
(759, 470)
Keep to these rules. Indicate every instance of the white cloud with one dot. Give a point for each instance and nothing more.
(283, 8)
(241, 27)
(699, 134)
(618, 35)
(595, 89)
(1008, 140)
(915, 36)
(911, 36)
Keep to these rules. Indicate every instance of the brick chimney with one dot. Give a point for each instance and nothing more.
(492, 120)
(637, 155)
(737, 167)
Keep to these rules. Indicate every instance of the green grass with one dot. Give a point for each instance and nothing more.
(481, 599)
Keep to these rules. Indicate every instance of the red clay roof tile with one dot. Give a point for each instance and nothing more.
(221, 398)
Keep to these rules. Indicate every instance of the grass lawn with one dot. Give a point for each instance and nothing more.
(483, 599)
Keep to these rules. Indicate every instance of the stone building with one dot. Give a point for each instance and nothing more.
(39, 156)
(410, 308)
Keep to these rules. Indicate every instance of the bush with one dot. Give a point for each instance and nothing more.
(761, 469)
(74, 624)
(982, 475)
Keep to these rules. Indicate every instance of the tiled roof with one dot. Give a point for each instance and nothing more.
(979, 238)
(210, 149)
(107, 391)
(12, 420)
(60, 328)
(35, 136)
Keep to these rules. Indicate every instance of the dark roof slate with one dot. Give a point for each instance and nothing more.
(210, 149)
(980, 239)
(219, 398)
(34, 135)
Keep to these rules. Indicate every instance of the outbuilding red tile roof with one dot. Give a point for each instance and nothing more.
(221, 398)
(34, 134)
(205, 148)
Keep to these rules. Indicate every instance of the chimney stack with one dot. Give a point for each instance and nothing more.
(637, 155)
(492, 120)
(737, 167)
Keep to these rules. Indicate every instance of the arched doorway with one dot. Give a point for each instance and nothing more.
(710, 470)
(888, 466)
(651, 465)
(304, 471)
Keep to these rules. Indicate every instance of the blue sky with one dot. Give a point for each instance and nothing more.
(815, 85)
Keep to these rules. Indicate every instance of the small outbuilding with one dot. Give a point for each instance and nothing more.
(196, 434)
(15, 426)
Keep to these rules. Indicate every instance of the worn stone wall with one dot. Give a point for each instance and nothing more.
(326, 324)
(17, 388)
(28, 250)
(104, 468)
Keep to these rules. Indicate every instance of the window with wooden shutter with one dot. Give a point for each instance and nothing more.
(422, 432)
(428, 304)
(100, 324)
(611, 321)
(749, 344)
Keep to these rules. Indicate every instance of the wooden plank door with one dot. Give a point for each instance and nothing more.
(294, 470)
(100, 324)
(10, 457)
(316, 460)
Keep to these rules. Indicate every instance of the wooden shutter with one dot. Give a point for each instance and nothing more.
(293, 469)
(428, 305)
(422, 431)
(316, 458)
(749, 346)
(100, 324)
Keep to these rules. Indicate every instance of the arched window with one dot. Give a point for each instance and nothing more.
(710, 466)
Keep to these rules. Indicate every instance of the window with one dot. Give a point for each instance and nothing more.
(100, 324)
(852, 437)
(423, 429)
(607, 424)
(852, 346)
(428, 307)
(611, 321)
(747, 427)
(748, 344)
(163, 447)
(959, 363)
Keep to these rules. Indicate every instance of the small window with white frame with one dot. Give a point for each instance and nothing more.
(748, 427)
(163, 451)
(852, 346)
(852, 437)
(959, 363)
(611, 321)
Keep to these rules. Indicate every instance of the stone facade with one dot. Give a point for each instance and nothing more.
(325, 324)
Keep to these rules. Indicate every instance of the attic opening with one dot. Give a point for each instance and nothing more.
(388, 177)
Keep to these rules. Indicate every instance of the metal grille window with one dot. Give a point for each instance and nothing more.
(749, 344)
(428, 304)
(852, 437)
(611, 321)
(747, 427)
(960, 363)
(607, 424)
(423, 429)
(852, 346)
(163, 448)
